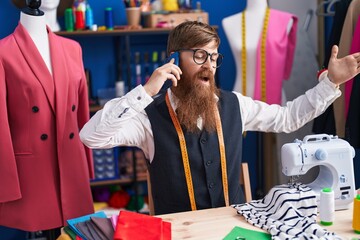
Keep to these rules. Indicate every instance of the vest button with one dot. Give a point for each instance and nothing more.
(71, 136)
(44, 137)
(208, 163)
(73, 107)
(203, 140)
(211, 185)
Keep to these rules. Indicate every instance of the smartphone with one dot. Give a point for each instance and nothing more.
(174, 55)
(168, 83)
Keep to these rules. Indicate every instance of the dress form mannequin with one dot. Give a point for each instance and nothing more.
(50, 9)
(33, 21)
(40, 139)
(255, 14)
(280, 33)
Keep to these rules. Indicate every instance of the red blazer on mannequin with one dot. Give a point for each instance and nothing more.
(44, 167)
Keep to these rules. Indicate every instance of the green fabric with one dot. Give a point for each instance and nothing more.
(238, 233)
(70, 232)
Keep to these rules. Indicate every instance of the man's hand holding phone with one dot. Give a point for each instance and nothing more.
(169, 71)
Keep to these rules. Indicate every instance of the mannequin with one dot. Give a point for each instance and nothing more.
(50, 8)
(46, 170)
(254, 14)
(34, 22)
(279, 52)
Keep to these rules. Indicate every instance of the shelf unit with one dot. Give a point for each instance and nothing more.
(120, 181)
(119, 36)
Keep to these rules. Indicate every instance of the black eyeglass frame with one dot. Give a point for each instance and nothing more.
(220, 56)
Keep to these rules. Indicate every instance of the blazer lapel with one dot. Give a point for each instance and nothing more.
(35, 62)
(61, 79)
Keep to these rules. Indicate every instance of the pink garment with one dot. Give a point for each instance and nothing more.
(355, 47)
(280, 50)
(44, 167)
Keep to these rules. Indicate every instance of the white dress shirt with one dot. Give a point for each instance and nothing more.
(124, 122)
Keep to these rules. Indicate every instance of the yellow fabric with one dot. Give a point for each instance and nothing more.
(63, 236)
(100, 205)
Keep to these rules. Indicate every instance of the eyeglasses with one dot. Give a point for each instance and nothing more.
(200, 56)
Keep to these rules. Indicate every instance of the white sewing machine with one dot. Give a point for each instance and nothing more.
(334, 157)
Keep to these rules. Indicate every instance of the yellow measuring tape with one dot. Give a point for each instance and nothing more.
(262, 53)
(185, 156)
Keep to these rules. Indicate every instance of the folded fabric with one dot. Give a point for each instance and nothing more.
(64, 236)
(103, 227)
(69, 232)
(288, 211)
(114, 219)
(72, 222)
(84, 230)
(95, 233)
(243, 233)
(132, 225)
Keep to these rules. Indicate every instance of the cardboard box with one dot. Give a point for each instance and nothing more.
(173, 19)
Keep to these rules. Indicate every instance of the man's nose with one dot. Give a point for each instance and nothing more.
(208, 63)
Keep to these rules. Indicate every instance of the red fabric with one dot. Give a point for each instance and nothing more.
(132, 225)
(119, 199)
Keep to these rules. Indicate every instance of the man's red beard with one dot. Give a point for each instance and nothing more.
(196, 99)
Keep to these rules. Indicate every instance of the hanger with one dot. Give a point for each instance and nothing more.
(328, 11)
(308, 18)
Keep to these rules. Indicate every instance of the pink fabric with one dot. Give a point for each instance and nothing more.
(44, 167)
(280, 50)
(114, 219)
(355, 47)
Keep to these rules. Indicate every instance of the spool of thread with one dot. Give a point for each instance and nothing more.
(69, 20)
(89, 18)
(120, 88)
(356, 214)
(109, 18)
(327, 206)
(80, 24)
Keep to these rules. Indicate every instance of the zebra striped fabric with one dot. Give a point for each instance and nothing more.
(288, 211)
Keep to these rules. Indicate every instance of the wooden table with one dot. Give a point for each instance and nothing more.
(216, 223)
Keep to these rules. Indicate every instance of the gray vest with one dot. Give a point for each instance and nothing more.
(168, 182)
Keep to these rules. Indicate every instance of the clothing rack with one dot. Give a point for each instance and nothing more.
(325, 8)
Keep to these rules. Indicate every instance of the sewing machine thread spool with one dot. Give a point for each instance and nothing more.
(327, 206)
(356, 214)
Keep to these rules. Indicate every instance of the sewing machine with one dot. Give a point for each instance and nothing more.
(334, 157)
